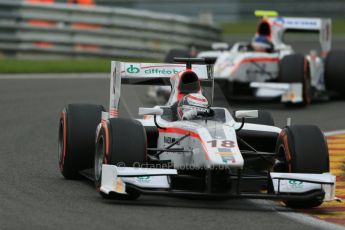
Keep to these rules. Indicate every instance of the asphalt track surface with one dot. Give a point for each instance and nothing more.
(34, 195)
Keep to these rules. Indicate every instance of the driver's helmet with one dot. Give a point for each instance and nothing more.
(261, 43)
(191, 105)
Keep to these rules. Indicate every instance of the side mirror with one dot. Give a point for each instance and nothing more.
(150, 111)
(247, 114)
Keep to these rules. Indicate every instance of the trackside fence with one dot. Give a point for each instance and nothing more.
(60, 30)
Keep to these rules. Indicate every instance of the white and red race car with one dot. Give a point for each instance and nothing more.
(280, 72)
(211, 155)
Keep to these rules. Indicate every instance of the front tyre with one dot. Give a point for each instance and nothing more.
(294, 68)
(77, 128)
(121, 142)
(302, 149)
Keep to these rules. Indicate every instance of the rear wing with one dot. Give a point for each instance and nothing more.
(280, 25)
(323, 26)
(152, 73)
(145, 74)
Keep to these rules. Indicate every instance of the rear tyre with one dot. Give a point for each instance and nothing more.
(264, 118)
(78, 123)
(169, 58)
(293, 68)
(335, 70)
(302, 149)
(120, 142)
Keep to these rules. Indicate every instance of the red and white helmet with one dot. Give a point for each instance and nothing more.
(191, 104)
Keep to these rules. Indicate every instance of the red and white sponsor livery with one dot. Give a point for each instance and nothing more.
(207, 155)
(212, 154)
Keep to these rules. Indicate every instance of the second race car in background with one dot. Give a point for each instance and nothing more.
(280, 72)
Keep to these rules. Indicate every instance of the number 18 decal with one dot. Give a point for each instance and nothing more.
(222, 143)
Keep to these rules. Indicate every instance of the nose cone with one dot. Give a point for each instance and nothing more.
(225, 156)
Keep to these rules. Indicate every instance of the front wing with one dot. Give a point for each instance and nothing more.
(155, 181)
(289, 92)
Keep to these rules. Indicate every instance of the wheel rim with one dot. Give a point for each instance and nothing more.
(99, 157)
(282, 159)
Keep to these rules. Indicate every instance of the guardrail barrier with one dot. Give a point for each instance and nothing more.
(36, 30)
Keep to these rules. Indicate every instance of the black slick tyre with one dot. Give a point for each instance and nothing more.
(77, 128)
(303, 149)
(293, 68)
(169, 58)
(335, 71)
(121, 142)
(264, 118)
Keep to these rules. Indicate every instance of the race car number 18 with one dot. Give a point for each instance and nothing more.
(222, 143)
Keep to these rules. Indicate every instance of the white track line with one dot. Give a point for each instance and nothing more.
(298, 217)
(54, 76)
(336, 132)
(310, 220)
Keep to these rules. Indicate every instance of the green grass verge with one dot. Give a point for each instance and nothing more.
(338, 26)
(53, 66)
(59, 66)
(249, 27)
